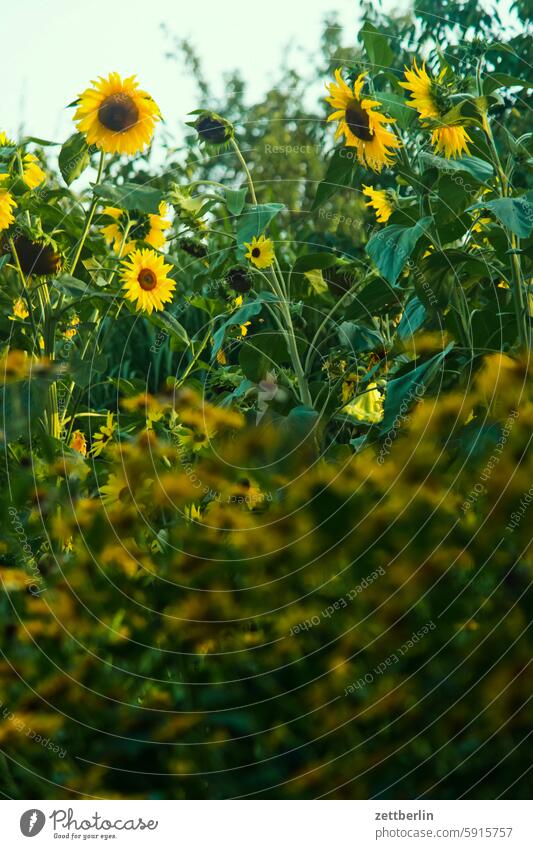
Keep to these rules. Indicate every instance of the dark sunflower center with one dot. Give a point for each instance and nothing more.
(123, 493)
(357, 120)
(256, 252)
(118, 112)
(147, 279)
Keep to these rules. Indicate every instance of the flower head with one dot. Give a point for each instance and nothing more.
(429, 96)
(260, 251)
(213, 129)
(78, 442)
(362, 126)
(20, 309)
(7, 205)
(104, 435)
(380, 201)
(33, 174)
(145, 280)
(36, 257)
(116, 115)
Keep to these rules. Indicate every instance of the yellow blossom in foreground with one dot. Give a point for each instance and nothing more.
(20, 309)
(78, 442)
(7, 205)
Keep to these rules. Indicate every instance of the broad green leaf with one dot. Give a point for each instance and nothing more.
(495, 81)
(73, 158)
(245, 313)
(358, 338)
(254, 220)
(235, 200)
(376, 45)
(395, 106)
(404, 391)
(391, 247)
(261, 353)
(166, 321)
(376, 298)
(412, 319)
(479, 169)
(338, 175)
(516, 214)
(40, 142)
(131, 196)
(313, 262)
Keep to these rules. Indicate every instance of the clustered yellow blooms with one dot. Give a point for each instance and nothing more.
(364, 126)
(148, 228)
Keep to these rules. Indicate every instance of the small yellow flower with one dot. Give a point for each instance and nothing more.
(362, 126)
(7, 205)
(72, 329)
(115, 490)
(144, 275)
(104, 435)
(244, 327)
(221, 357)
(260, 251)
(380, 202)
(19, 309)
(33, 175)
(78, 442)
(116, 115)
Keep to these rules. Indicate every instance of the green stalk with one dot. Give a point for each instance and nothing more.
(89, 217)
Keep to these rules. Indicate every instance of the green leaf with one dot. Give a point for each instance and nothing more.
(391, 247)
(338, 175)
(313, 262)
(412, 319)
(261, 353)
(167, 322)
(402, 392)
(131, 196)
(395, 106)
(245, 313)
(358, 338)
(495, 81)
(516, 214)
(73, 158)
(235, 200)
(37, 140)
(375, 299)
(376, 45)
(479, 169)
(254, 220)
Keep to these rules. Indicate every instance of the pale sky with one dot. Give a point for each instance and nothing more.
(51, 49)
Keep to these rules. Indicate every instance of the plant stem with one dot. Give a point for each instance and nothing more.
(89, 217)
(241, 159)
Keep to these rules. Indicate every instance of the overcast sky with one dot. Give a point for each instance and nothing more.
(51, 50)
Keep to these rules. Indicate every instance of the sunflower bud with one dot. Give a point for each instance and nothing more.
(213, 129)
(36, 257)
(239, 280)
(193, 248)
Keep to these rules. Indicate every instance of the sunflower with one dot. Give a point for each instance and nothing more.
(115, 490)
(104, 435)
(260, 251)
(362, 127)
(148, 228)
(7, 205)
(116, 115)
(380, 201)
(145, 280)
(429, 96)
(32, 175)
(37, 257)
